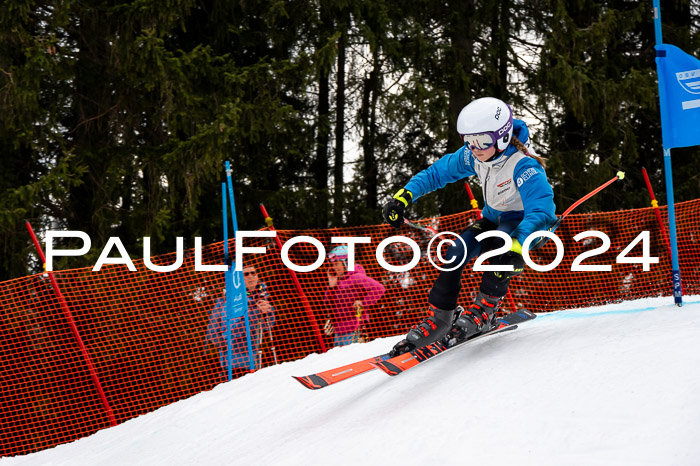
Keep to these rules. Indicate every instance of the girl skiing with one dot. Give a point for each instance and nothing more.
(518, 201)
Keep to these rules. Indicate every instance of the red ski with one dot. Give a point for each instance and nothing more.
(331, 376)
(398, 364)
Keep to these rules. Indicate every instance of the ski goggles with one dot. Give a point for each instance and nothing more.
(333, 257)
(480, 141)
(488, 139)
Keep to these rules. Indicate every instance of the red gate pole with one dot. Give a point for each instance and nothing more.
(655, 205)
(475, 206)
(472, 200)
(297, 285)
(74, 330)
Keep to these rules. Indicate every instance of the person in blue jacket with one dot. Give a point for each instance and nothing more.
(261, 319)
(518, 201)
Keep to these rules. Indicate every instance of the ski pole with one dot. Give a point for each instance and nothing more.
(260, 351)
(272, 339)
(418, 226)
(358, 313)
(543, 239)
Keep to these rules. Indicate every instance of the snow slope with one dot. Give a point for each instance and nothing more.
(618, 384)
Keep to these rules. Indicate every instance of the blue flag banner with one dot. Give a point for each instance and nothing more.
(679, 89)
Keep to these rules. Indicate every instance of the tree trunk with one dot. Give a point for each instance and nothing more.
(459, 69)
(320, 166)
(460, 31)
(89, 203)
(369, 125)
(339, 132)
(501, 33)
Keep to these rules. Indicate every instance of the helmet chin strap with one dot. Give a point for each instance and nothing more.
(498, 152)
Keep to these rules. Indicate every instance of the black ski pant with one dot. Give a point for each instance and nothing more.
(446, 288)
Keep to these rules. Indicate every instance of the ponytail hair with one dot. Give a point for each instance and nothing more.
(522, 148)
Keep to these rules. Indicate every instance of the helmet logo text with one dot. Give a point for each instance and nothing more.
(505, 128)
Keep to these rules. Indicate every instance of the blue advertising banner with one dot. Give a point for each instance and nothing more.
(679, 87)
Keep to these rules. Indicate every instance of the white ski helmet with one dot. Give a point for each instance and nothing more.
(485, 122)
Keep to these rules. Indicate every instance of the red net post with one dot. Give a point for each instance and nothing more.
(307, 306)
(74, 330)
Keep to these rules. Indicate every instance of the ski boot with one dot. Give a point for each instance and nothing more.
(432, 329)
(479, 317)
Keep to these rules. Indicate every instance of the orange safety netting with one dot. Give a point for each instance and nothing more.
(145, 331)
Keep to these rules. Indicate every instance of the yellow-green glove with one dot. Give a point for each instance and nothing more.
(513, 257)
(394, 209)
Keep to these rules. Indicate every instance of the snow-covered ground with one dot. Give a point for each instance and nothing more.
(618, 384)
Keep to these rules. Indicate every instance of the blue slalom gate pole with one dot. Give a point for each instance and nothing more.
(675, 266)
(238, 284)
(668, 173)
(227, 293)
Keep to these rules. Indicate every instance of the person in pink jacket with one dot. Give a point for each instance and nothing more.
(349, 295)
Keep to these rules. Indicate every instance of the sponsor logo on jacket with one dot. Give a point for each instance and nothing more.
(467, 156)
(526, 175)
(504, 187)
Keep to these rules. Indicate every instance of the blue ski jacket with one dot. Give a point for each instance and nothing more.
(515, 186)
